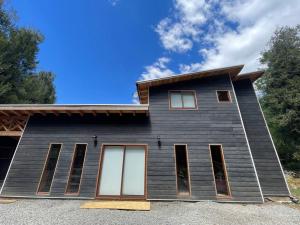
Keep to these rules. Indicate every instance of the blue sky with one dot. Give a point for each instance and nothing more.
(99, 49)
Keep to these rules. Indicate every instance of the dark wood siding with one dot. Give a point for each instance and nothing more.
(41, 131)
(267, 165)
(212, 123)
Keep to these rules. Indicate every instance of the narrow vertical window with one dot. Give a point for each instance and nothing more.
(76, 169)
(223, 96)
(183, 100)
(219, 170)
(182, 170)
(49, 169)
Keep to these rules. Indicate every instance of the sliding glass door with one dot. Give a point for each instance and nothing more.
(122, 171)
(134, 171)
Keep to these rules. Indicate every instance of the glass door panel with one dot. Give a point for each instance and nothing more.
(111, 174)
(134, 171)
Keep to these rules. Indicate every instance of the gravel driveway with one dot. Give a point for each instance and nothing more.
(59, 212)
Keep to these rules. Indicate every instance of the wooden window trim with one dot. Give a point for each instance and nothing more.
(188, 169)
(182, 91)
(229, 196)
(229, 95)
(47, 157)
(71, 166)
(121, 197)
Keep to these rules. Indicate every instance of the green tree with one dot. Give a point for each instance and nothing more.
(280, 88)
(19, 80)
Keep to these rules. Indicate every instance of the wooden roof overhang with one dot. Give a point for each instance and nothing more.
(13, 117)
(143, 86)
(44, 109)
(253, 76)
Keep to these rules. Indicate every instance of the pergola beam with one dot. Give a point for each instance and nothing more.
(12, 125)
(4, 113)
(11, 133)
(44, 110)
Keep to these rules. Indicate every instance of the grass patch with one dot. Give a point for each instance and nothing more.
(294, 184)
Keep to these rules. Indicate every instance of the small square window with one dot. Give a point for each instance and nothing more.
(182, 100)
(224, 96)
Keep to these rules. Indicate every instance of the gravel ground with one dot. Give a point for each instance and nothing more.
(60, 212)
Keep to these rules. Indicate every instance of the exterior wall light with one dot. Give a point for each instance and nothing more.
(158, 141)
(95, 140)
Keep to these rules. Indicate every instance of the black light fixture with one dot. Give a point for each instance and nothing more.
(158, 141)
(95, 140)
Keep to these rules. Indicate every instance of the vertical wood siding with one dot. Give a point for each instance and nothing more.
(212, 123)
(264, 155)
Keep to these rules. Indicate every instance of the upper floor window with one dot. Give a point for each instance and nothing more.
(183, 100)
(223, 96)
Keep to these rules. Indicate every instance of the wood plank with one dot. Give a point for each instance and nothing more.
(7, 201)
(123, 205)
(11, 133)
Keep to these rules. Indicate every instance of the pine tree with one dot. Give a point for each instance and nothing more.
(19, 80)
(280, 88)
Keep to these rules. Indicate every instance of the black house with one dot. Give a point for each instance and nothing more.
(197, 136)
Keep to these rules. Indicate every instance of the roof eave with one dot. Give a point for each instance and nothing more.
(143, 86)
(253, 76)
(44, 109)
(219, 70)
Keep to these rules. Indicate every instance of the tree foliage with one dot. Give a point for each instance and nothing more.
(19, 80)
(280, 88)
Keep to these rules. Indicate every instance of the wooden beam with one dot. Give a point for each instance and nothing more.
(4, 113)
(25, 110)
(11, 107)
(42, 113)
(54, 112)
(11, 133)
(28, 113)
(17, 114)
(67, 112)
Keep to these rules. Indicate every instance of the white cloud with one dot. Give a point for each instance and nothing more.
(178, 32)
(257, 22)
(173, 36)
(192, 11)
(135, 98)
(204, 25)
(193, 67)
(157, 70)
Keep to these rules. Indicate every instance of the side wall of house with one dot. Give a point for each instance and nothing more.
(264, 154)
(211, 123)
